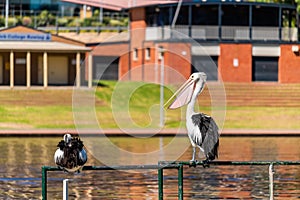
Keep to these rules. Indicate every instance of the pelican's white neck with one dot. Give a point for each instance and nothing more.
(191, 105)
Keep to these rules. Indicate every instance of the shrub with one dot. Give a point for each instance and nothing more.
(62, 21)
(95, 23)
(114, 22)
(106, 20)
(12, 21)
(75, 22)
(2, 21)
(125, 21)
(45, 18)
(26, 21)
(96, 13)
(87, 22)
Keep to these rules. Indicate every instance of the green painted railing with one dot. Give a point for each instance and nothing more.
(179, 165)
(45, 169)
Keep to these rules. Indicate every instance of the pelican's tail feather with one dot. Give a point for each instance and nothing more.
(211, 155)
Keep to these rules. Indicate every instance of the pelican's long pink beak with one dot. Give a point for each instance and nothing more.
(184, 95)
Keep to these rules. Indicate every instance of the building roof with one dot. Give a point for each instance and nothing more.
(24, 29)
(21, 38)
(120, 4)
(127, 4)
(37, 46)
(90, 37)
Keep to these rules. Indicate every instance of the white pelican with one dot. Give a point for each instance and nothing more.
(202, 130)
(70, 154)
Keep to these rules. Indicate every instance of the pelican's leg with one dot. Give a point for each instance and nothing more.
(194, 154)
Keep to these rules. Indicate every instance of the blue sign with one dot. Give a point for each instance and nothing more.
(25, 37)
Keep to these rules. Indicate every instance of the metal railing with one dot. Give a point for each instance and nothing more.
(78, 29)
(45, 169)
(179, 165)
(57, 20)
(235, 33)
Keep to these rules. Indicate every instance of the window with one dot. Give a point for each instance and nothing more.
(160, 52)
(135, 54)
(147, 53)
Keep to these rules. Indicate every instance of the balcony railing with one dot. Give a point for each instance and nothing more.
(235, 33)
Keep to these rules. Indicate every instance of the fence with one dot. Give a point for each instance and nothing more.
(227, 33)
(55, 20)
(179, 165)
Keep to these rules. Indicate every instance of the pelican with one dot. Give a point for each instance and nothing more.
(202, 130)
(70, 154)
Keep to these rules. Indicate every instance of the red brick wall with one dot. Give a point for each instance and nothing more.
(110, 50)
(137, 35)
(123, 65)
(178, 57)
(177, 60)
(288, 65)
(150, 67)
(114, 50)
(230, 73)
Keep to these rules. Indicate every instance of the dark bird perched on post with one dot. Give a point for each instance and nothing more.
(202, 130)
(70, 154)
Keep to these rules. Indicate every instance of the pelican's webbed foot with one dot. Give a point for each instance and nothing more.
(193, 163)
(205, 163)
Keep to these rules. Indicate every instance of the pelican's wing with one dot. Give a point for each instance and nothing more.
(184, 97)
(82, 157)
(58, 156)
(209, 134)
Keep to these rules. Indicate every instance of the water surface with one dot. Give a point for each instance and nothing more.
(21, 160)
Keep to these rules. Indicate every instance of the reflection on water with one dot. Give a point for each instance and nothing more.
(21, 160)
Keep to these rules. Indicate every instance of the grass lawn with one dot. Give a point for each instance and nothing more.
(134, 104)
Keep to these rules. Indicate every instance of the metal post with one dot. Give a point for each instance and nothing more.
(176, 13)
(190, 21)
(6, 13)
(44, 183)
(280, 23)
(101, 15)
(220, 21)
(90, 70)
(162, 80)
(65, 189)
(250, 22)
(271, 179)
(35, 20)
(180, 182)
(160, 184)
(84, 11)
(78, 74)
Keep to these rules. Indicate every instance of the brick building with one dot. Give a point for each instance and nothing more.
(30, 57)
(230, 41)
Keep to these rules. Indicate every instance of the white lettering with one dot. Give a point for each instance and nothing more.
(25, 37)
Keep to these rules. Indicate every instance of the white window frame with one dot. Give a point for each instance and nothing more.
(135, 56)
(148, 53)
